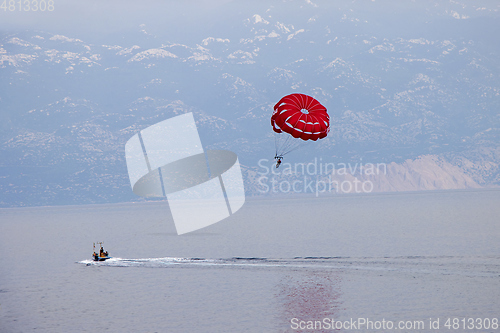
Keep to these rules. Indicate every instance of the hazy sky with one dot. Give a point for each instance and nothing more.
(99, 18)
(94, 16)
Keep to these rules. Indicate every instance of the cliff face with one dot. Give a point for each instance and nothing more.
(428, 172)
(481, 164)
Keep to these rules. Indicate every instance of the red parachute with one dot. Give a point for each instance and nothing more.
(300, 116)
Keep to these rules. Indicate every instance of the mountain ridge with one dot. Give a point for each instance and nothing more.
(68, 105)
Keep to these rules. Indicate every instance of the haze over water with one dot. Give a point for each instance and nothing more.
(404, 257)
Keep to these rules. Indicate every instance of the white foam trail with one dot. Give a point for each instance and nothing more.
(468, 266)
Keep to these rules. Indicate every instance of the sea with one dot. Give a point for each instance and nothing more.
(395, 262)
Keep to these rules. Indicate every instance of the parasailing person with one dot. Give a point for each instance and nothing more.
(297, 118)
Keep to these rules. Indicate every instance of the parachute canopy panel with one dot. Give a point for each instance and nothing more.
(301, 116)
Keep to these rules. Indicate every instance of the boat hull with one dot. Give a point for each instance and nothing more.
(101, 258)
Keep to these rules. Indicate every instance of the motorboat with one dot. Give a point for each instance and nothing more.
(102, 255)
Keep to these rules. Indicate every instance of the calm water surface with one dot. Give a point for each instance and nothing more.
(393, 257)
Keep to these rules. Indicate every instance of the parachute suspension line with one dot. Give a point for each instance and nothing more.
(282, 142)
(289, 144)
(285, 143)
(293, 148)
(276, 143)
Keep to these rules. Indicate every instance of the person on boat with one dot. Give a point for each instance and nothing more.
(101, 252)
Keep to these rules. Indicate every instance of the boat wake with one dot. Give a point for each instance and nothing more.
(486, 266)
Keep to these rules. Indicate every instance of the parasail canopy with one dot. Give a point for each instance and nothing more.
(300, 116)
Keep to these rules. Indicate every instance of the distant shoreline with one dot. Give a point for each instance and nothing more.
(257, 198)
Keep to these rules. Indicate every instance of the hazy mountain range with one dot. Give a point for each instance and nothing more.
(413, 85)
